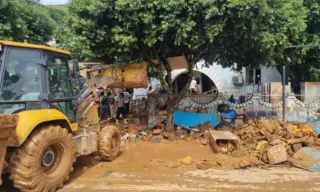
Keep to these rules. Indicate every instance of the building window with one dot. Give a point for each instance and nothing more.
(253, 76)
(250, 76)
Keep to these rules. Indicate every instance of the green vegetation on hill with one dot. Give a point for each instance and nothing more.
(28, 20)
(62, 7)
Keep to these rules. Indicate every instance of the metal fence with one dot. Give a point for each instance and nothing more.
(298, 108)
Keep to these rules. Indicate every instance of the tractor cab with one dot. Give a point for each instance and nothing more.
(34, 77)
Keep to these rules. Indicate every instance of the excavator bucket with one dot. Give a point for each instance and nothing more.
(7, 130)
(123, 76)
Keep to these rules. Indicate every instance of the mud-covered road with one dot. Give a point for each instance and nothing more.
(210, 180)
(148, 167)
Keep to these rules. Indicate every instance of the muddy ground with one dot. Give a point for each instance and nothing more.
(148, 166)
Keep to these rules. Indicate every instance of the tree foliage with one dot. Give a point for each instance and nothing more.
(304, 62)
(249, 33)
(246, 32)
(27, 20)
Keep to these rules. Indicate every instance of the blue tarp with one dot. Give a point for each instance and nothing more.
(191, 119)
(229, 115)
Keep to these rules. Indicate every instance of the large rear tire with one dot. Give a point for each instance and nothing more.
(109, 143)
(45, 160)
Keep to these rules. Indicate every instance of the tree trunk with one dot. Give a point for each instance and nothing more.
(174, 99)
(296, 81)
(170, 109)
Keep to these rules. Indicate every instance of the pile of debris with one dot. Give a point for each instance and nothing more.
(274, 142)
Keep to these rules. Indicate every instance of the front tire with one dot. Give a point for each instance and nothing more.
(43, 163)
(109, 143)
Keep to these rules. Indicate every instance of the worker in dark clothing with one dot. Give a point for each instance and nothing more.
(104, 105)
(121, 108)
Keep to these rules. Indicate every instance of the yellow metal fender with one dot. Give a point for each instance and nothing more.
(28, 120)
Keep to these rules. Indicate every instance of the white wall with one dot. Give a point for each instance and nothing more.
(222, 77)
(269, 74)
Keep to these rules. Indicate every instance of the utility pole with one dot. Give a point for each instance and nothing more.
(284, 94)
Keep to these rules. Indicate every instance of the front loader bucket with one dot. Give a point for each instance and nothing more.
(7, 129)
(123, 76)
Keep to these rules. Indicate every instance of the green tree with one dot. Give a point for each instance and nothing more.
(303, 63)
(245, 32)
(22, 20)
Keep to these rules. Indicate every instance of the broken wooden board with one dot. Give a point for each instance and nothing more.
(307, 158)
(155, 122)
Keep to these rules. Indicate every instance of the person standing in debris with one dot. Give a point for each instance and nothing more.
(197, 90)
(193, 85)
(127, 97)
(151, 90)
(121, 108)
(113, 106)
(97, 99)
(104, 105)
(231, 99)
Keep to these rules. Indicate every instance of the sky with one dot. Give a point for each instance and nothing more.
(53, 2)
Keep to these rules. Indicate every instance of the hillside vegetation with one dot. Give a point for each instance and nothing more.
(62, 7)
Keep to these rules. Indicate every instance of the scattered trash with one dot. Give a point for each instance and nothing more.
(223, 147)
(277, 154)
(186, 161)
(297, 147)
(155, 123)
(204, 141)
(238, 153)
(156, 141)
(262, 145)
(204, 165)
(132, 138)
(191, 129)
(297, 140)
(172, 165)
(220, 163)
(244, 164)
(162, 113)
(143, 133)
(223, 141)
(239, 123)
(156, 131)
(262, 141)
(277, 142)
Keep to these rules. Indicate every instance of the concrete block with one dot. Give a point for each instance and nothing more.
(277, 154)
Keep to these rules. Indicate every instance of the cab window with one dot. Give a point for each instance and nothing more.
(59, 80)
(22, 75)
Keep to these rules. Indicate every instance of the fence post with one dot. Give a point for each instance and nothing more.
(284, 94)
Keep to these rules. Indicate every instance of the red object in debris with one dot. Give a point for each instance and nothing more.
(240, 112)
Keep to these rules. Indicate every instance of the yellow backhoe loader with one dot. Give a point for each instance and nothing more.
(48, 115)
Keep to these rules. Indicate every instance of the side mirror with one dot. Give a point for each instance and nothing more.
(42, 62)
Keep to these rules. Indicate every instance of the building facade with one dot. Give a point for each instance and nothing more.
(224, 80)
